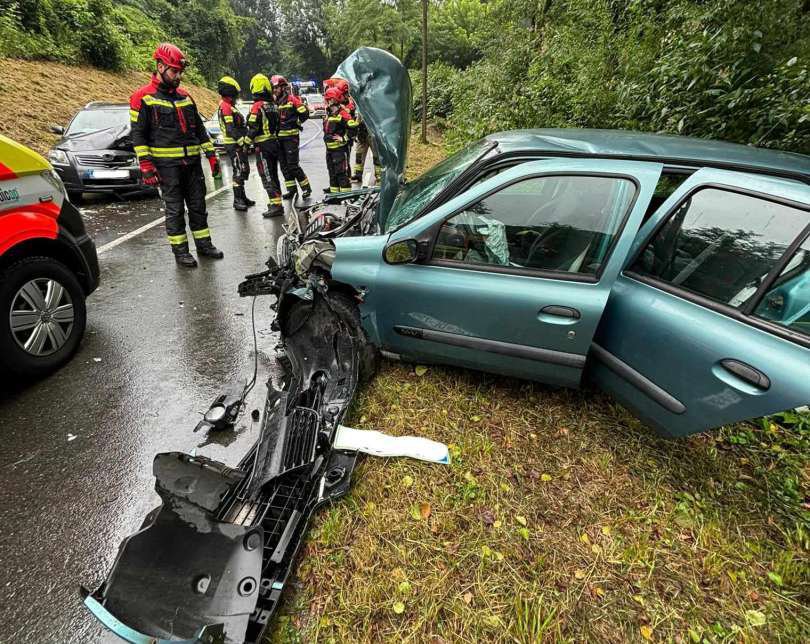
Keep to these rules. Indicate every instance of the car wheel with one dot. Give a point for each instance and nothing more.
(42, 316)
(349, 313)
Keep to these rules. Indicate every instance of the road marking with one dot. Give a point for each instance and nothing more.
(151, 224)
(310, 140)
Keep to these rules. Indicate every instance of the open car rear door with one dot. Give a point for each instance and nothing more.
(709, 322)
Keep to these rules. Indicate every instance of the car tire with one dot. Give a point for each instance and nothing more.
(348, 311)
(62, 332)
(76, 198)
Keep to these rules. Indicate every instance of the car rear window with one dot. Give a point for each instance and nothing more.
(721, 244)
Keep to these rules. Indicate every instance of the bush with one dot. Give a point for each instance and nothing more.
(441, 81)
(727, 69)
(101, 43)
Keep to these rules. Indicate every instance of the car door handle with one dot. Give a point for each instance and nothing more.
(747, 373)
(557, 314)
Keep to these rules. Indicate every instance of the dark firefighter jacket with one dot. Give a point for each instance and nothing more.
(166, 126)
(291, 113)
(262, 122)
(340, 125)
(231, 123)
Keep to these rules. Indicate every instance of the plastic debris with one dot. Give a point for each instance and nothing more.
(369, 441)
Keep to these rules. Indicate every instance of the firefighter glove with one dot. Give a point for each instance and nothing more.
(149, 173)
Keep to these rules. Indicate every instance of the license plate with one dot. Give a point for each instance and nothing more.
(106, 174)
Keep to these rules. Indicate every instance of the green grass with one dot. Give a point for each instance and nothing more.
(561, 518)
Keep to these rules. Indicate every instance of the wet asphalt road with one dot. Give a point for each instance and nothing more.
(76, 449)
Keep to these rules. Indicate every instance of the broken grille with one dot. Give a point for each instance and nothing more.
(302, 435)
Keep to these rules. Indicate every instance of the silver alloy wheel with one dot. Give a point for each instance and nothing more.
(41, 316)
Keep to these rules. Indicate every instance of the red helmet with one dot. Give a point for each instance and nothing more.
(170, 55)
(337, 83)
(277, 80)
(333, 94)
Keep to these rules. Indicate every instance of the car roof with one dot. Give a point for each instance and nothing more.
(671, 150)
(98, 105)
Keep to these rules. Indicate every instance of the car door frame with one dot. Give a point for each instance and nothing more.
(614, 372)
(643, 175)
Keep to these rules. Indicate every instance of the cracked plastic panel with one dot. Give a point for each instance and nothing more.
(210, 564)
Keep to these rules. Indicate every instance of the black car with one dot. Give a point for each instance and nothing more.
(95, 153)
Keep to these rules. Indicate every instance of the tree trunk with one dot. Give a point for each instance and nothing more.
(423, 138)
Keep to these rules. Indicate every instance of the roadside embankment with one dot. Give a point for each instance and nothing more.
(36, 94)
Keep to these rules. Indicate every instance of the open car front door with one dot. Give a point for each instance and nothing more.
(709, 322)
(513, 274)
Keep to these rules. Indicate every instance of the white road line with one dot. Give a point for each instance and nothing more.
(116, 242)
(311, 139)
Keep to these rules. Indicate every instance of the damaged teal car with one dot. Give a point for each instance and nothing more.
(671, 272)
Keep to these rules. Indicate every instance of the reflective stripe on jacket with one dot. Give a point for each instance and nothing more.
(166, 126)
(260, 127)
(338, 125)
(291, 113)
(231, 123)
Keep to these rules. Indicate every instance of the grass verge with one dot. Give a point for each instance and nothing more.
(36, 94)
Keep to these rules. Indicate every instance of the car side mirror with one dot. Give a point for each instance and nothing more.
(402, 252)
(56, 129)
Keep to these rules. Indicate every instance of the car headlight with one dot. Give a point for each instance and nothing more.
(54, 179)
(58, 157)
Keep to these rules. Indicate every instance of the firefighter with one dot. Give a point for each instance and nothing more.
(263, 124)
(168, 135)
(234, 136)
(338, 131)
(361, 150)
(291, 113)
(363, 137)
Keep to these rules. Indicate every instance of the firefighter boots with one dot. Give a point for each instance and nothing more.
(239, 199)
(183, 257)
(206, 249)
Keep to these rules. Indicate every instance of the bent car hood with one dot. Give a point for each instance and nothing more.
(381, 88)
(111, 138)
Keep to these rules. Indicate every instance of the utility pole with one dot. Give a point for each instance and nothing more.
(424, 69)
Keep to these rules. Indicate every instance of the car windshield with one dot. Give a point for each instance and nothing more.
(95, 120)
(421, 191)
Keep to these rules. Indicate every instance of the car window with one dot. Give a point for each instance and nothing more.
(418, 193)
(721, 244)
(787, 301)
(559, 223)
(95, 120)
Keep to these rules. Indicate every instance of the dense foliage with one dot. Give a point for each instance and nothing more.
(123, 34)
(728, 69)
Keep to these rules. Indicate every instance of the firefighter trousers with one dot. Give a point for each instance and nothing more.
(268, 159)
(361, 149)
(337, 162)
(290, 167)
(183, 186)
(239, 163)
